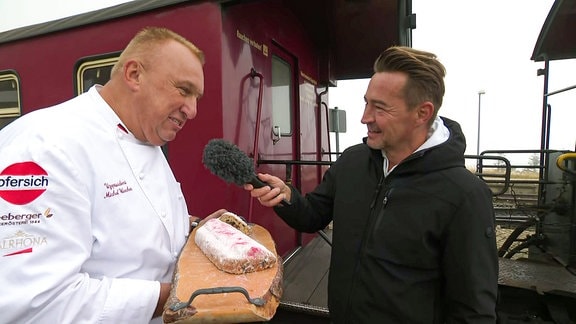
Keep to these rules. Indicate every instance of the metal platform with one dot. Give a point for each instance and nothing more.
(305, 285)
(543, 278)
(528, 289)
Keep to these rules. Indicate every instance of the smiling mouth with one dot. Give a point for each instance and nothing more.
(176, 121)
(375, 131)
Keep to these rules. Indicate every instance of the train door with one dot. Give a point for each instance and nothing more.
(280, 141)
(295, 123)
(285, 131)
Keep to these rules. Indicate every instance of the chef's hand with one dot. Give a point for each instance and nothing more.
(271, 195)
(215, 214)
(162, 298)
(196, 221)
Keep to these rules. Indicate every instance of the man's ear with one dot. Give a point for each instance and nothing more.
(132, 72)
(425, 112)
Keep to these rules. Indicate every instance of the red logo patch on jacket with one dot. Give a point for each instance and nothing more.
(23, 182)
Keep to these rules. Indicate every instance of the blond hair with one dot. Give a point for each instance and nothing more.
(146, 39)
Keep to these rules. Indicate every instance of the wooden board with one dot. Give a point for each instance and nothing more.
(195, 271)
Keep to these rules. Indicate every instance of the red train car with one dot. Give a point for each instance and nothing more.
(268, 69)
(269, 66)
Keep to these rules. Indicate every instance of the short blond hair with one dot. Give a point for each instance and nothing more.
(150, 37)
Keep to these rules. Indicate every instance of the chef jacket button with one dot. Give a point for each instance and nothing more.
(141, 176)
(163, 214)
(175, 255)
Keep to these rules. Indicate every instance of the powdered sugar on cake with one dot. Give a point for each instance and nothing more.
(231, 250)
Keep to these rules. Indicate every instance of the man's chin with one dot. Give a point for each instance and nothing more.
(166, 138)
(373, 144)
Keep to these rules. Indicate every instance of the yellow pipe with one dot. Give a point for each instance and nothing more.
(562, 159)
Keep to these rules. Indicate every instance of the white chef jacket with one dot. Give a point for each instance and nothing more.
(90, 218)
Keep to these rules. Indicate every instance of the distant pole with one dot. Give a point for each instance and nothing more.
(480, 93)
(336, 129)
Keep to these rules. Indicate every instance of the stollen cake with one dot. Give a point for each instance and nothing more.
(236, 221)
(230, 250)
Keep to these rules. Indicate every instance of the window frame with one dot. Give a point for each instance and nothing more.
(279, 57)
(91, 62)
(7, 75)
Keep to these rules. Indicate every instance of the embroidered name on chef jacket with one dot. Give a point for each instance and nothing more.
(116, 188)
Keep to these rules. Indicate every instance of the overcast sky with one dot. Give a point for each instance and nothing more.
(19, 13)
(484, 44)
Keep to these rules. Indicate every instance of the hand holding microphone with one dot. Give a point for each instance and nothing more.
(268, 195)
(228, 162)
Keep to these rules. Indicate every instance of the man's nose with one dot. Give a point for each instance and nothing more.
(367, 116)
(190, 108)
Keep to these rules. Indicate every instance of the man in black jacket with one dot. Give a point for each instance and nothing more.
(414, 238)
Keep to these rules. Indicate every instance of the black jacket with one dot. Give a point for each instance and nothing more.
(415, 247)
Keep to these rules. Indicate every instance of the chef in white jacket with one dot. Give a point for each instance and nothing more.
(91, 216)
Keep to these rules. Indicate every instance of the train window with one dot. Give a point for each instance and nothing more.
(9, 98)
(93, 71)
(96, 70)
(281, 95)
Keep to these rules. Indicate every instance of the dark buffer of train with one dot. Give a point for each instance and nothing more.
(269, 67)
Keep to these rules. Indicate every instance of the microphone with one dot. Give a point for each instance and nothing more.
(231, 164)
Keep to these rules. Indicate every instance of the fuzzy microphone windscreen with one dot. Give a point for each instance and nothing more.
(228, 162)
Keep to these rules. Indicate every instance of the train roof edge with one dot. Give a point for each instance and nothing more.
(350, 33)
(557, 39)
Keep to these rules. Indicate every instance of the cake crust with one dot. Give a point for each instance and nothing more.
(237, 222)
